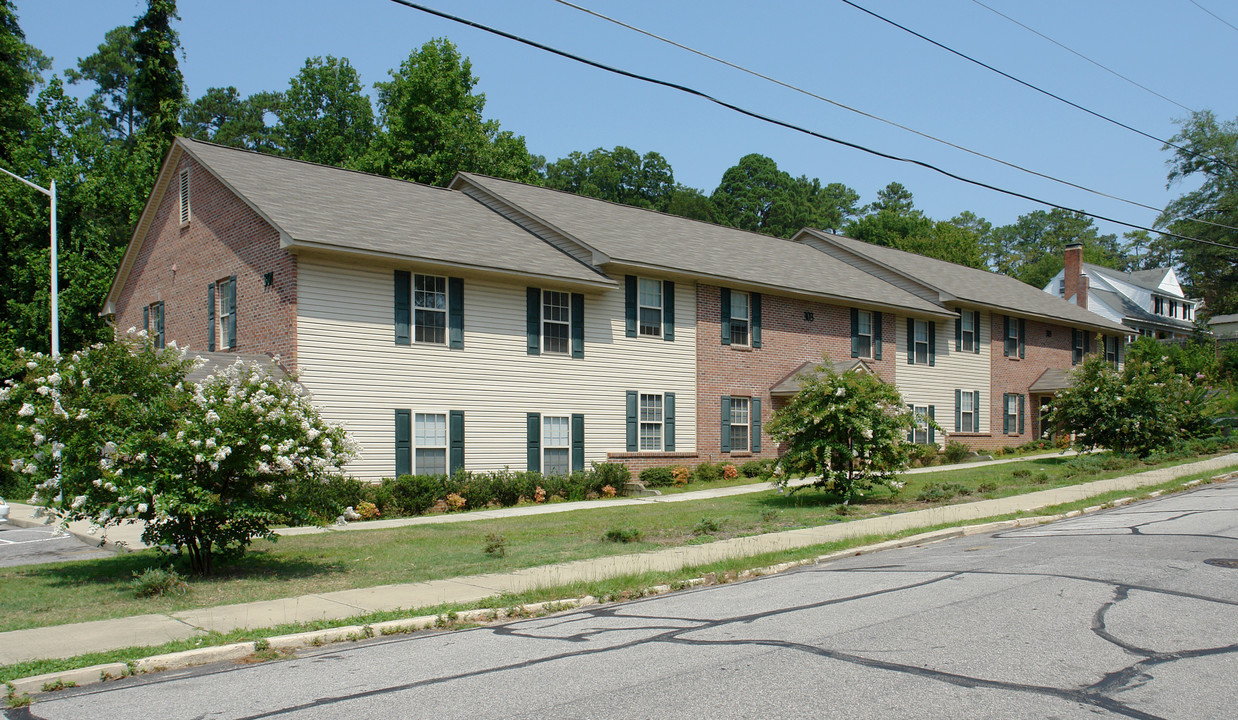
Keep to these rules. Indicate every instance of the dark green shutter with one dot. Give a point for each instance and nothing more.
(932, 328)
(578, 442)
(159, 323)
(403, 307)
(1020, 414)
(403, 442)
(629, 304)
(958, 331)
(958, 411)
(578, 325)
(755, 309)
(1006, 413)
(932, 433)
(455, 438)
(1022, 335)
(455, 313)
(855, 333)
(668, 310)
(146, 318)
(976, 324)
(726, 423)
(1006, 335)
(210, 317)
(975, 406)
(533, 319)
(230, 299)
(725, 302)
(911, 341)
(533, 459)
(876, 335)
(633, 438)
(756, 425)
(668, 422)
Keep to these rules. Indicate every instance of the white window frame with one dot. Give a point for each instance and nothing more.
(1112, 357)
(861, 335)
(920, 433)
(969, 337)
(566, 323)
(641, 307)
(547, 446)
(743, 321)
(1011, 341)
(419, 446)
(1012, 413)
(222, 317)
(420, 330)
(658, 435)
(185, 214)
(158, 338)
(967, 416)
(917, 343)
(1079, 352)
(746, 403)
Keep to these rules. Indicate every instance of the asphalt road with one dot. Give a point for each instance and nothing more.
(1126, 613)
(30, 546)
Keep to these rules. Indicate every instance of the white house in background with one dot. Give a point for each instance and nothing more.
(1149, 302)
(1224, 326)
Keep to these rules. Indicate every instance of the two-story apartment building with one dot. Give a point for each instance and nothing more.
(496, 324)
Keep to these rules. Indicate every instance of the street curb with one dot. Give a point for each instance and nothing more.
(288, 644)
(92, 540)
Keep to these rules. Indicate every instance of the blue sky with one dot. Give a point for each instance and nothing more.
(824, 46)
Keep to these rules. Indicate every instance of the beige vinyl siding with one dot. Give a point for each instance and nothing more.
(935, 385)
(901, 282)
(539, 229)
(359, 377)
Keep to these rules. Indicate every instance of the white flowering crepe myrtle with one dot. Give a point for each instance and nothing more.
(119, 435)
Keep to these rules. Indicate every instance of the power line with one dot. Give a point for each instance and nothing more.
(1040, 90)
(1078, 54)
(782, 123)
(870, 115)
(1218, 17)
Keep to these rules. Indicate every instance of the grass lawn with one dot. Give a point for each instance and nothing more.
(41, 595)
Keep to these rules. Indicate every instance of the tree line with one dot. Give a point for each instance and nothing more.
(427, 123)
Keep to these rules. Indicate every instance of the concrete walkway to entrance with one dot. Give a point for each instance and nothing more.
(147, 630)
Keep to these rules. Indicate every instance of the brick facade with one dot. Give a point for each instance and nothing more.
(793, 332)
(1045, 346)
(224, 237)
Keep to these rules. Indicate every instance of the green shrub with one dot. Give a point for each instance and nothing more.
(755, 468)
(1021, 473)
(657, 477)
(936, 492)
(1041, 478)
(496, 545)
(956, 452)
(707, 472)
(706, 526)
(923, 454)
(328, 499)
(612, 474)
(622, 535)
(987, 486)
(413, 494)
(157, 582)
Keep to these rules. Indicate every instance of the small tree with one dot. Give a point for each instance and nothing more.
(118, 435)
(849, 428)
(1143, 408)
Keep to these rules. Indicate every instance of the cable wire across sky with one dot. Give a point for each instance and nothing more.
(785, 124)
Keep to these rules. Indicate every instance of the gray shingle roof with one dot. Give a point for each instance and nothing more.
(644, 237)
(1130, 309)
(1224, 319)
(980, 287)
(321, 205)
(1051, 381)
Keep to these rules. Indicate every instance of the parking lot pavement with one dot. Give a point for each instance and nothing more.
(30, 546)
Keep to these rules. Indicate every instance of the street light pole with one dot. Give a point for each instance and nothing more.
(51, 193)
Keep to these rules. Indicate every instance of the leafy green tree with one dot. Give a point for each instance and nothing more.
(755, 195)
(894, 198)
(324, 116)
(117, 435)
(222, 116)
(158, 90)
(691, 203)
(1209, 155)
(912, 232)
(1031, 248)
(112, 68)
(1143, 408)
(21, 68)
(849, 428)
(621, 175)
(432, 125)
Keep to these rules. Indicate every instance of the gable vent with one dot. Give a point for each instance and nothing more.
(184, 197)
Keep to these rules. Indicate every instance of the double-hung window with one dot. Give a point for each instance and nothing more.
(1012, 414)
(740, 424)
(556, 321)
(152, 322)
(1012, 337)
(1111, 350)
(221, 314)
(1079, 346)
(920, 435)
(864, 334)
(968, 320)
(740, 318)
(430, 309)
(921, 342)
(649, 308)
(1158, 305)
(651, 418)
(967, 415)
(430, 444)
(556, 445)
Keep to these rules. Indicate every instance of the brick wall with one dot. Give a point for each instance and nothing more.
(1046, 346)
(224, 237)
(788, 340)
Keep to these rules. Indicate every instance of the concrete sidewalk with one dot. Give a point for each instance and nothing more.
(129, 536)
(75, 639)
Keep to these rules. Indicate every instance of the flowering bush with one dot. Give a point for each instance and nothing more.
(681, 476)
(118, 435)
(850, 428)
(730, 472)
(455, 501)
